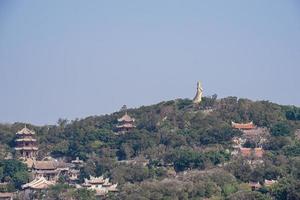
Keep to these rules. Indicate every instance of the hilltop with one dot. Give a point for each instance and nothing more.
(179, 150)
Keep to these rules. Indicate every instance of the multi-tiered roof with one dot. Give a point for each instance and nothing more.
(125, 123)
(26, 144)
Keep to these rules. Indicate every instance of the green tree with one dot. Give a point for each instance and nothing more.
(84, 194)
(244, 195)
(59, 192)
(1, 173)
(281, 129)
(15, 171)
(240, 169)
(292, 150)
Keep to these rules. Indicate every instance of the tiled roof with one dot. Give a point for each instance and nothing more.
(62, 164)
(47, 171)
(270, 182)
(38, 183)
(44, 165)
(26, 139)
(26, 148)
(25, 131)
(126, 126)
(95, 180)
(126, 118)
(74, 171)
(245, 126)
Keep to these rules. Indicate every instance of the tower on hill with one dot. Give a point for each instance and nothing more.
(26, 144)
(125, 124)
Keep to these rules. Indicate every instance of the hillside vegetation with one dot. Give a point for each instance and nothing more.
(188, 148)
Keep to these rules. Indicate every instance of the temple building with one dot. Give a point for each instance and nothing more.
(74, 175)
(47, 169)
(251, 133)
(26, 145)
(39, 183)
(254, 156)
(252, 152)
(125, 124)
(243, 126)
(100, 185)
(256, 153)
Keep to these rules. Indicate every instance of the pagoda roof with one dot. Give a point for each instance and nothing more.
(26, 148)
(38, 183)
(26, 140)
(25, 131)
(127, 125)
(49, 171)
(243, 126)
(126, 118)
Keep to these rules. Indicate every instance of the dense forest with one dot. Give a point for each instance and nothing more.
(187, 147)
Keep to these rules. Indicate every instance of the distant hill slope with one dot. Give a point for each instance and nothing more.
(178, 118)
(193, 142)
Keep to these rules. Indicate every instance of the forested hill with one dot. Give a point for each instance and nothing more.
(184, 136)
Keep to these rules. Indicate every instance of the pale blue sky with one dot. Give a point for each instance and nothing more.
(69, 59)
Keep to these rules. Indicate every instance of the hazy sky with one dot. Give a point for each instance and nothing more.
(71, 59)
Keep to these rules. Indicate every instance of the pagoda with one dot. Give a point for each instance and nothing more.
(125, 123)
(26, 143)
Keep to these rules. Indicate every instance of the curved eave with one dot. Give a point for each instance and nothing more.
(26, 148)
(25, 140)
(22, 133)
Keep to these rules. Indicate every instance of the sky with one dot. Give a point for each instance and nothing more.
(72, 59)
